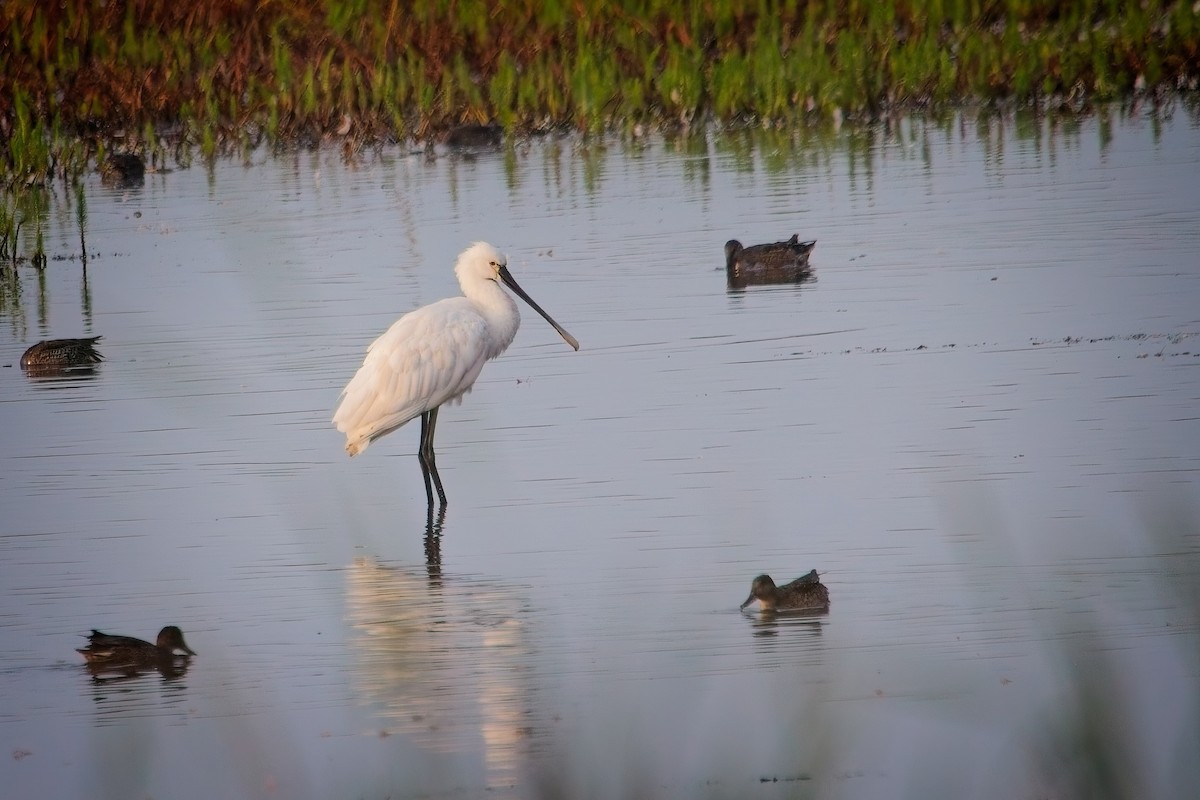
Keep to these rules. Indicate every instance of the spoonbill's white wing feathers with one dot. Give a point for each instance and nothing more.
(430, 356)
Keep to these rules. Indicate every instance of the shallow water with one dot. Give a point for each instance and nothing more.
(979, 423)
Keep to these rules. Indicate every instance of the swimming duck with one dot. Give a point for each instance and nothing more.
(62, 354)
(104, 648)
(124, 169)
(792, 253)
(475, 136)
(778, 262)
(803, 594)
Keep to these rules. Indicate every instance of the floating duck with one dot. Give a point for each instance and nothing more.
(55, 357)
(777, 262)
(475, 136)
(803, 594)
(106, 649)
(124, 169)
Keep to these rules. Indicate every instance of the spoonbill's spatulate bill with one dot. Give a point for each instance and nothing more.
(432, 356)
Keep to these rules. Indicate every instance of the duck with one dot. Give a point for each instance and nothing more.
(104, 648)
(62, 354)
(475, 136)
(124, 169)
(806, 593)
(777, 262)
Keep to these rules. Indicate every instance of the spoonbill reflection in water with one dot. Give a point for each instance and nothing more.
(432, 356)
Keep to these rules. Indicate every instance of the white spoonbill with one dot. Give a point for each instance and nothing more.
(432, 356)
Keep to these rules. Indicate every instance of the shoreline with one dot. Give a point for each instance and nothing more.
(81, 82)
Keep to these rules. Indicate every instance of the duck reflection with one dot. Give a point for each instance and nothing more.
(122, 671)
(802, 623)
(137, 691)
(444, 660)
(169, 668)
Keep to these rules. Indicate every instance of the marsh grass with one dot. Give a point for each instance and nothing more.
(226, 74)
(22, 216)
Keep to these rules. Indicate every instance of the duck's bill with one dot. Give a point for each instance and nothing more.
(511, 283)
(749, 600)
(186, 649)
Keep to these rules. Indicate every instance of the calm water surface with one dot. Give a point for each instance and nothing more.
(979, 423)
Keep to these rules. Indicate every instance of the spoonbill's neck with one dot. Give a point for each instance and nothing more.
(498, 308)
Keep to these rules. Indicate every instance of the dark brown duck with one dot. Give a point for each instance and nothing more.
(777, 262)
(806, 593)
(104, 648)
(62, 353)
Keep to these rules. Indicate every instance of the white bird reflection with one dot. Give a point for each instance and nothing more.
(444, 660)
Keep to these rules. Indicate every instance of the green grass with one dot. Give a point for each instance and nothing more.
(23, 213)
(219, 74)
